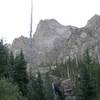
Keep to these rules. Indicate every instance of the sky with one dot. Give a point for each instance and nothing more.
(15, 14)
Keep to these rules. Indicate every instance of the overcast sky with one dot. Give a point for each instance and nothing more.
(15, 14)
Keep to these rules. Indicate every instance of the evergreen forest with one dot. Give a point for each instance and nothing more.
(18, 84)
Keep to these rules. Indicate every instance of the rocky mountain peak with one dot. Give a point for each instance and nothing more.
(53, 41)
(94, 22)
(47, 28)
(50, 22)
(50, 28)
(20, 43)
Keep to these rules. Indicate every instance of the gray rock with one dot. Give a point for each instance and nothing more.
(53, 41)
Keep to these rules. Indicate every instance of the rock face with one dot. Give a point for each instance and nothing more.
(68, 89)
(53, 41)
(22, 43)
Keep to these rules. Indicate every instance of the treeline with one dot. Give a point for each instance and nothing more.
(15, 84)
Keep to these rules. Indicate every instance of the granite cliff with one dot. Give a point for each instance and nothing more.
(53, 41)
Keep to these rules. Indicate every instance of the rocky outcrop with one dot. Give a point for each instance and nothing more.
(68, 88)
(24, 44)
(53, 41)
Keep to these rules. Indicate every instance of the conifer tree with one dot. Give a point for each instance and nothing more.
(36, 88)
(11, 65)
(97, 78)
(48, 87)
(87, 85)
(32, 87)
(20, 74)
(40, 88)
(84, 84)
(3, 60)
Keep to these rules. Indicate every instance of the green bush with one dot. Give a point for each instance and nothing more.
(8, 91)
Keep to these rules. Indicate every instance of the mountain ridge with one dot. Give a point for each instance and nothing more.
(53, 41)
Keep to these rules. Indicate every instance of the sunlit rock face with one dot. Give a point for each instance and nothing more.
(53, 41)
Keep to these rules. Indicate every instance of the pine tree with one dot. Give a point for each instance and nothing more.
(87, 84)
(32, 87)
(97, 78)
(48, 87)
(4, 55)
(11, 65)
(20, 74)
(36, 88)
(40, 88)
(84, 84)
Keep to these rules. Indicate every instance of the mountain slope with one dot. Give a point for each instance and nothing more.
(53, 41)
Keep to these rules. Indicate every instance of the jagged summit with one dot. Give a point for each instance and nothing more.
(47, 26)
(20, 38)
(46, 29)
(50, 22)
(95, 18)
(51, 27)
(94, 22)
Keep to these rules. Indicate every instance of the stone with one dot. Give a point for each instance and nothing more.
(53, 41)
